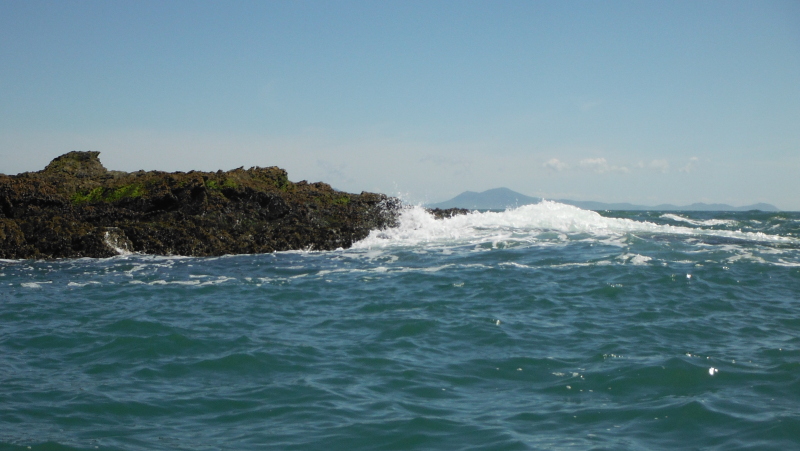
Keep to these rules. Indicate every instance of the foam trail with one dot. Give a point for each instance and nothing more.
(526, 223)
(707, 222)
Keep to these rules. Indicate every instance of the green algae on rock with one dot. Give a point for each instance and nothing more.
(75, 207)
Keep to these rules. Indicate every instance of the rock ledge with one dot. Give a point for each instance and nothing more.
(75, 207)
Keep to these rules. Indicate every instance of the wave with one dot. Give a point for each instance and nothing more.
(533, 223)
(707, 222)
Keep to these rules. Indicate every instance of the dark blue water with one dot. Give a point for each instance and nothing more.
(545, 327)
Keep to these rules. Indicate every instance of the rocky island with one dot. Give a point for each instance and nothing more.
(75, 207)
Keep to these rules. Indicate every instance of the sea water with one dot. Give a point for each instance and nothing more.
(541, 327)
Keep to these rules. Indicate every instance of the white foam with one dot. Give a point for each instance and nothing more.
(745, 256)
(83, 284)
(635, 259)
(529, 224)
(114, 242)
(185, 282)
(705, 223)
(33, 284)
(514, 265)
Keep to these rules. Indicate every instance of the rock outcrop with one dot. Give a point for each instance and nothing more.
(439, 213)
(77, 208)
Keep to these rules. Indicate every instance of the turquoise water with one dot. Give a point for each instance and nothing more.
(545, 327)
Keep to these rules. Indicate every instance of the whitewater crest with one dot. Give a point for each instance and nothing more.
(543, 222)
(706, 223)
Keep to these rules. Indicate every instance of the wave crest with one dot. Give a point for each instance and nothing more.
(529, 223)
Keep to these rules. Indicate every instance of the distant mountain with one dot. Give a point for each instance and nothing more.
(502, 198)
(493, 199)
(589, 205)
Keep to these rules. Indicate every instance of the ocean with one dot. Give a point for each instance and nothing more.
(541, 327)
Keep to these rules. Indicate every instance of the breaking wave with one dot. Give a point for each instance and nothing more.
(529, 223)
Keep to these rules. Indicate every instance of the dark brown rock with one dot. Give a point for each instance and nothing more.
(439, 213)
(77, 164)
(77, 208)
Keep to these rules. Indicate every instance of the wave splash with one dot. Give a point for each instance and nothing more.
(532, 223)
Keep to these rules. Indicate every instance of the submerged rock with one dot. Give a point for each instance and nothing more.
(75, 207)
(444, 213)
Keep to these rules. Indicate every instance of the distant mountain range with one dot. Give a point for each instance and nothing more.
(502, 198)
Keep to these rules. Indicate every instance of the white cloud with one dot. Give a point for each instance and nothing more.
(555, 164)
(690, 165)
(600, 166)
(660, 165)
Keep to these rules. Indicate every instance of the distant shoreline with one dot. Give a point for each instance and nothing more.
(502, 198)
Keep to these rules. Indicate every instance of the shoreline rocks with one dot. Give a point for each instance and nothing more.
(75, 207)
(444, 213)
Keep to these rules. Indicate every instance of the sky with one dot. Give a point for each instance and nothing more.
(626, 101)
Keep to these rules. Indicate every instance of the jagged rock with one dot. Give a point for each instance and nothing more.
(77, 164)
(77, 208)
(440, 213)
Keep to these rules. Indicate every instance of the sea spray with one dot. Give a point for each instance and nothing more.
(530, 223)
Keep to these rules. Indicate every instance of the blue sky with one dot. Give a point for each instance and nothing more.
(644, 102)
